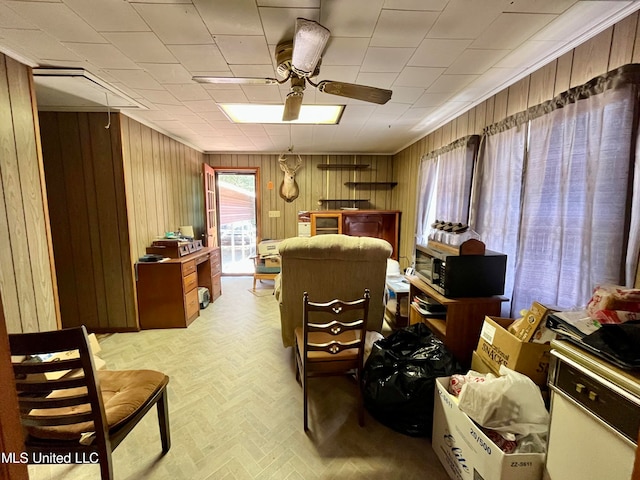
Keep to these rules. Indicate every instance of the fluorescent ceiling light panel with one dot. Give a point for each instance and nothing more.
(309, 114)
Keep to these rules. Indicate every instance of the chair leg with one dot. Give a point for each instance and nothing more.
(304, 396)
(106, 464)
(163, 421)
(254, 283)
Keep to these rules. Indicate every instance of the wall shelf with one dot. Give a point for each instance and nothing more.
(327, 200)
(342, 166)
(371, 184)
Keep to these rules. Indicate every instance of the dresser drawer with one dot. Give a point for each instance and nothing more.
(190, 281)
(188, 267)
(214, 258)
(192, 304)
(216, 285)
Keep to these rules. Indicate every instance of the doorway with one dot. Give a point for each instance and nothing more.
(237, 195)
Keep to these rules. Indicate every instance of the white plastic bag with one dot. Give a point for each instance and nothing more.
(509, 403)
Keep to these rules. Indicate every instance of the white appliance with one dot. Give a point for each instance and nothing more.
(595, 417)
(203, 297)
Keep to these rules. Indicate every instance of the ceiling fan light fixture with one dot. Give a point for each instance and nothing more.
(309, 41)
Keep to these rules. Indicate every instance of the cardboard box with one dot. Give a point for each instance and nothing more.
(268, 247)
(466, 453)
(480, 366)
(533, 321)
(272, 261)
(497, 346)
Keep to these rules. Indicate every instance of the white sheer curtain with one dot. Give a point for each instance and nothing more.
(426, 194)
(454, 184)
(574, 208)
(495, 211)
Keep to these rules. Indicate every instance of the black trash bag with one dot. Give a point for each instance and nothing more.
(399, 379)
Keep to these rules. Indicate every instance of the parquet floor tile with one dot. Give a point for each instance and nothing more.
(236, 408)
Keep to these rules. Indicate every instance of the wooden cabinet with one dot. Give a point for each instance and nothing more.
(459, 327)
(384, 224)
(168, 291)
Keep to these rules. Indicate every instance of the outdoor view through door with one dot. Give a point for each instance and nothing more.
(237, 209)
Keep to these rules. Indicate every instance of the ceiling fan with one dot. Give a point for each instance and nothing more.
(299, 60)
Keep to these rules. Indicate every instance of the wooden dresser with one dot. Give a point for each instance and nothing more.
(168, 291)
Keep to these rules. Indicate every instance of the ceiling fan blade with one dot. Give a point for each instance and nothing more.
(237, 80)
(309, 41)
(292, 105)
(352, 90)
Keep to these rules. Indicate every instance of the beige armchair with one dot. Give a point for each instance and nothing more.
(330, 267)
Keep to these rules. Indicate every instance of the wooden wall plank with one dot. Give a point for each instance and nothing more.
(563, 73)
(591, 58)
(518, 96)
(542, 83)
(624, 35)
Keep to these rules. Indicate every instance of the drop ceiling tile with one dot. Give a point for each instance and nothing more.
(340, 19)
(10, 19)
(176, 109)
(58, 20)
(381, 59)
(223, 17)
(437, 52)
(511, 29)
(475, 61)
(400, 28)
(539, 6)
(137, 79)
(190, 92)
(255, 71)
(102, 54)
(201, 106)
(420, 77)
(530, 52)
(175, 24)
(228, 96)
(432, 5)
(109, 15)
(344, 51)
(406, 94)
(141, 46)
(450, 83)
(464, 19)
(275, 130)
(578, 22)
(339, 74)
(199, 57)
(154, 115)
(279, 23)
(380, 80)
(214, 115)
(167, 72)
(289, 3)
(262, 93)
(432, 99)
(243, 50)
(38, 45)
(158, 96)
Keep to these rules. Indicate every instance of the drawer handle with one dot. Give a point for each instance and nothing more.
(580, 388)
(593, 396)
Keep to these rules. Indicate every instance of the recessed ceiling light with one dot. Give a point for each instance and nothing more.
(257, 113)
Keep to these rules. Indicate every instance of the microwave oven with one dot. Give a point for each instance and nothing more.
(461, 275)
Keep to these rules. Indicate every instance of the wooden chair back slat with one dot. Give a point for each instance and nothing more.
(56, 420)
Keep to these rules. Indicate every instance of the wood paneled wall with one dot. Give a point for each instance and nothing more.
(27, 273)
(614, 47)
(86, 193)
(164, 185)
(111, 192)
(314, 184)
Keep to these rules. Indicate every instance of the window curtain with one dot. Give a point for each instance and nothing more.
(575, 205)
(426, 193)
(455, 172)
(495, 210)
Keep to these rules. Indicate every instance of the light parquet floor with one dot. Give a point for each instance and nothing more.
(236, 408)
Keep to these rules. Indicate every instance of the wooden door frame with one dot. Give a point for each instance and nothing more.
(242, 170)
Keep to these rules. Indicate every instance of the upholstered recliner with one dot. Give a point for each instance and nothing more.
(330, 267)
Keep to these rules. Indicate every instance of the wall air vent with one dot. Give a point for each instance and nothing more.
(75, 89)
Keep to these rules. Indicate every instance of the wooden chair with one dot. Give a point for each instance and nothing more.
(331, 342)
(67, 407)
